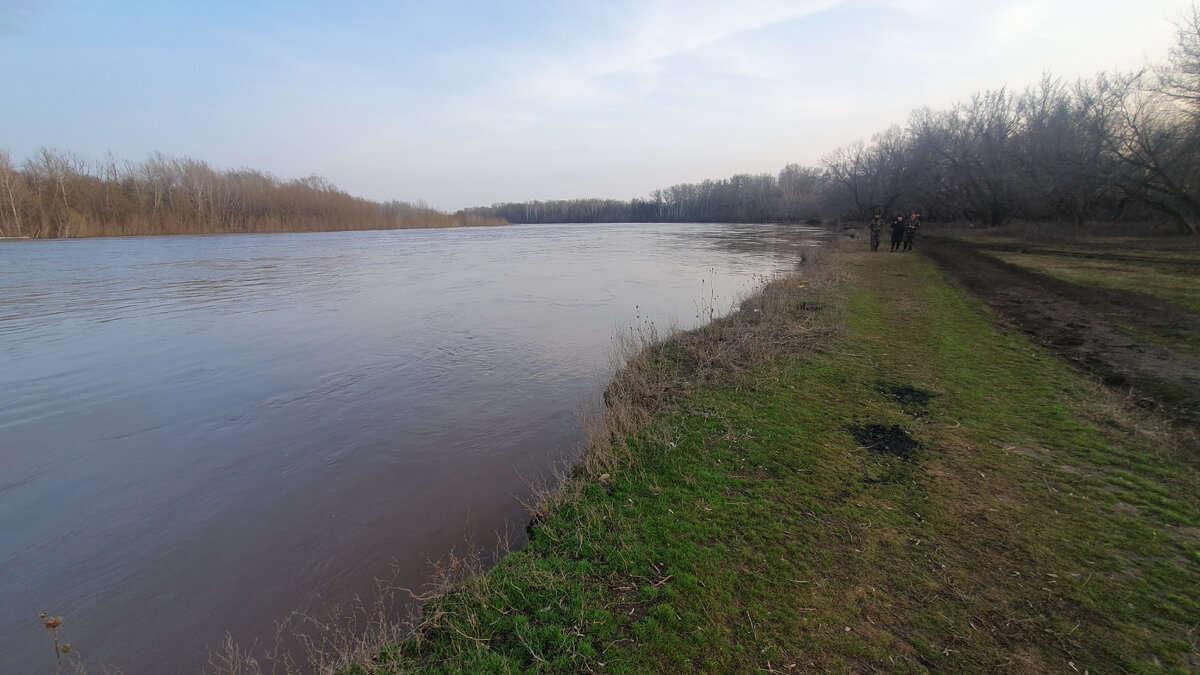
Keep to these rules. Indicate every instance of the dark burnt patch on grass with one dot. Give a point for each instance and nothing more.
(885, 440)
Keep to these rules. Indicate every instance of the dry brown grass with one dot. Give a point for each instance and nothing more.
(304, 643)
(1105, 406)
(354, 635)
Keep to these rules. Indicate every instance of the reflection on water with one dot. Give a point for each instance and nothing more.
(201, 434)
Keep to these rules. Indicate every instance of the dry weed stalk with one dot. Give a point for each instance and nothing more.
(356, 634)
(60, 650)
(230, 658)
(352, 635)
(465, 577)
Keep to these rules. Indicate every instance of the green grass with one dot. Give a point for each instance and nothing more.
(1040, 525)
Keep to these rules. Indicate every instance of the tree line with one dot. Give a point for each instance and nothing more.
(1117, 147)
(55, 194)
(1121, 147)
(796, 193)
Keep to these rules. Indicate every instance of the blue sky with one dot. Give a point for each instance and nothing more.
(463, 103)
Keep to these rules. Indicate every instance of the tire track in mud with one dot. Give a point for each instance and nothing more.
(1080, 323)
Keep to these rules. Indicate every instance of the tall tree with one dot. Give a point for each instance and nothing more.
(13, 198)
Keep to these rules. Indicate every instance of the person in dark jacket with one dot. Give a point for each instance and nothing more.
(898, 229)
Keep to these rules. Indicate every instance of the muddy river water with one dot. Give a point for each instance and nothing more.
(199, 435)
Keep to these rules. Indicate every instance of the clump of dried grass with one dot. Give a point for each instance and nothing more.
(1104, 405)
(350, 638)
(231, 659)
(464, 575)
(342, 637)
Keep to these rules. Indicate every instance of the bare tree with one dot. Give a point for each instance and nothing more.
(1060, 158)
(12, 192)
(1179, 78)
(801, 190)
(1154, 141)
(872, 177)
(48, 173)
(200, 181)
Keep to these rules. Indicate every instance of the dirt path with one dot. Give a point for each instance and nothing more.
(1082, 323)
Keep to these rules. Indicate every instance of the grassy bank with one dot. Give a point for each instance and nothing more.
(860, 471)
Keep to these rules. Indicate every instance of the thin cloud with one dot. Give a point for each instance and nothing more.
(670, 27)
(15, 14)
(922, 9)
(634, 42)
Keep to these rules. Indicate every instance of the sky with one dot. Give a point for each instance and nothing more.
(462, 103)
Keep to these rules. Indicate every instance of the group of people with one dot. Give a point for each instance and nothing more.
(904, 230)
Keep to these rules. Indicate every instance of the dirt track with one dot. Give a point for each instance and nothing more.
(1081, 324)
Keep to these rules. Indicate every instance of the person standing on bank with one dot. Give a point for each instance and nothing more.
(910, 232)
(898, 228)
(875, 227)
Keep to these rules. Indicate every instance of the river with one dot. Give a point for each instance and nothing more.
(199, 435)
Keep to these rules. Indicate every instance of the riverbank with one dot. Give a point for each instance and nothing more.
(860, 471)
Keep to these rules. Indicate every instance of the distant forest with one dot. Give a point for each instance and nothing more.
(1121, 147)
(55, 194)
(1118, 147)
